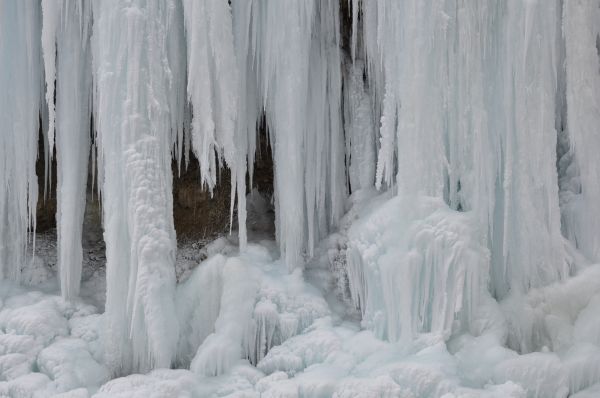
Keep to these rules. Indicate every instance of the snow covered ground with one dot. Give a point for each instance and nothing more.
(248, 328)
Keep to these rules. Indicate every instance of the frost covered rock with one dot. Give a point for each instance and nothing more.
(582, 363)
(301, 351)
(157, 384)
(554, 316)
(376, 387)
(69, 365)
(43, 320)
(540, 374)
(26, 386)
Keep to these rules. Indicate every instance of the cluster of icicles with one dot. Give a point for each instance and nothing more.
(466, 101)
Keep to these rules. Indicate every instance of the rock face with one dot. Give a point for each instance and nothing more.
(197, 214)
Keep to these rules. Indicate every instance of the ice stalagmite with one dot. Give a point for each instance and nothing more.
(582, 40)
(71, 52)
(20, 100)
(132, 94)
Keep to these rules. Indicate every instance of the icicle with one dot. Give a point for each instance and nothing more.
(581, 211)
(132, 92)
(177, 79)
(294, 51)
(51, 14)
(248, 110)
(73, 107)
(212, 84)
(20, 100)
(215, 92)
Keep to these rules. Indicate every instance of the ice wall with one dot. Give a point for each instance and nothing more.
(466, 95)
(20, 99)
(582, 41)
(133, 87)
(67, 58)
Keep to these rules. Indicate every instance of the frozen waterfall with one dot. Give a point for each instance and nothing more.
(466, 134)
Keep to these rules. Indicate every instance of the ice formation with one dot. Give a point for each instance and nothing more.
(582, 38)
(468, 116)
(392, 250)
(67, 59)
(293, 71)
(435, 176)
(20, 95)
(132, 83)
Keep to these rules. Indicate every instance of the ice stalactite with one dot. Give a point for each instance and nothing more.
(249, 110)
(212, 84)
(20, 100)
(582, 41)
(51, 16)
(133, 87)
(214, 90)
(296, 57)
(177, 80)
(67, 58)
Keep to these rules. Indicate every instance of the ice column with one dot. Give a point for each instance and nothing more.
(20, 99)
(132, 94)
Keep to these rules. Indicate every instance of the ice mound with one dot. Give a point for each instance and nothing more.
(239, 306)
(415, 265)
